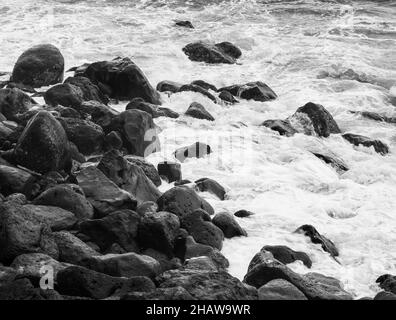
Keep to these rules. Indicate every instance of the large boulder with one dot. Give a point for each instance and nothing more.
(224, 52)
(124, 265)
(15, 180)
(123, 79)
(279, 289)
(90, 91)
(182, 201)
(128, 176)
(264, 268)
(43, 145)
(86, 135)
(65, 94)
(14, 102)
(198, 223)
(39, 66)
(56, 218)
(22, 232)
(159, 231)
(227, 223)
(81, 282)
(108, 197)
(257, 91)
(317, 238)
(198, 111)
(72, 249)
(147, 167)
(68, 197)
(313, 118)
(195, 150)
(212, 186)
(137, 130)
(207, 285)
(357, 140)
(119, 227)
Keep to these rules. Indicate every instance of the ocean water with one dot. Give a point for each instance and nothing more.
(341, 54)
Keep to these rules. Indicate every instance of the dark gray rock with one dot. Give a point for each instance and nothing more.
(385, 295)
(138, 132)
(212, 186)
(243, 213)
(128, 176)
(192, 249)
(204, 84)
(198, 111)
(123, 80)
(317, 238)
(81, 282)
(68, 197)
(182, 201)
(357, 140)
(39, 66)
(113, 140)
(109, 197)
(30, 265)
(223, 52)
(15, 180)
(22, 232)
(286, 255)
(387, 282)
(86, 135)
(65, 94)
(207, 285)
(43, 145)
(72, 249)
(119, 227)
(283, 127)
(56, 218)
(14, 102)
(125, 265)
(230, 227)
(335, 162)
(159, 231)
(257, 91)
(280, 290)
(313, 118)
(90, 91)
(227, 97)
(200, 226)
(264, 268)
(147, 167)
(184, 23)
(198, 89)
(169, 86)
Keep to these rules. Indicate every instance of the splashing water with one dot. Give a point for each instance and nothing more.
(341, 54)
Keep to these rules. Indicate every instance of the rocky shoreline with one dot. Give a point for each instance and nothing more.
(79, 202)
